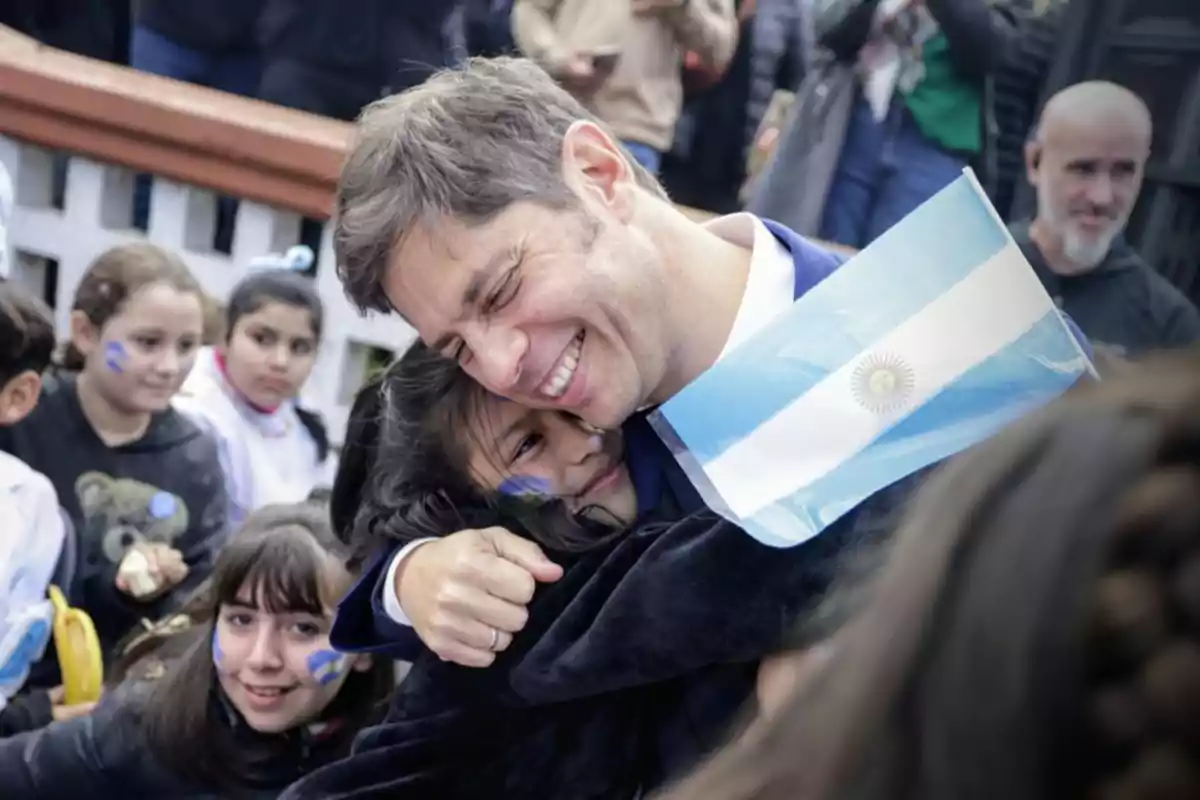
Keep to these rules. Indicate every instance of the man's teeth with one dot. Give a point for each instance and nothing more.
(558, 381)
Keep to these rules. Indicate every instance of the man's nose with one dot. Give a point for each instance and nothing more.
(1100, 191)
(496, 358)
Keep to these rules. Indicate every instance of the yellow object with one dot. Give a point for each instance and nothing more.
(79, 656)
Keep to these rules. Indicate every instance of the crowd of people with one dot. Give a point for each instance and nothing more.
(503, 583)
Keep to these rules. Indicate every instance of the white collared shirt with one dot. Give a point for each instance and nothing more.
(771, 284)
(770, 290)
(32, 532)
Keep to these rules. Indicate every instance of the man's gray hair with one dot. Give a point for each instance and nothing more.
(465, 144)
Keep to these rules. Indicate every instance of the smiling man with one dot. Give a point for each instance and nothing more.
(509, 228)
(507, 225)
(1087, 160)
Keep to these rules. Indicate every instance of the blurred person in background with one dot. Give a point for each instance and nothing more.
(899, 102)
(707, 164)
(209, 44)
(623, 59)
(333, 57)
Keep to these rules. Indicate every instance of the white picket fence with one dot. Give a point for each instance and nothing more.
(96, 213)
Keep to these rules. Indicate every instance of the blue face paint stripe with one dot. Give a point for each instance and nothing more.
(218, 653)
(525, 486)
(326, 665)
(115, 356)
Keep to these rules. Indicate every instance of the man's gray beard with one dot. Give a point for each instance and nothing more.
(1087, 253)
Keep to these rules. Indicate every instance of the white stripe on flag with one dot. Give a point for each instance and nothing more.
(978, 317)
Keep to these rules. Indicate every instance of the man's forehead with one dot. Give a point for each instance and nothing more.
(1105, 133)
(1074, 143)
(430, 268)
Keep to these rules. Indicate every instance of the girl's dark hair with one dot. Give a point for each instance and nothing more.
(356, 462)
(416, 450)
(274, 286)
(117, 275)
(292, 289)
(1035, 632)
(26, 333)
(286, 552)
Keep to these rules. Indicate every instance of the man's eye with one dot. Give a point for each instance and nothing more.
(505, 292)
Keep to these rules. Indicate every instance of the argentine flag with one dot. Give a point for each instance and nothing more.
(924, 343)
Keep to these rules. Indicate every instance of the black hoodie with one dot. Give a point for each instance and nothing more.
(165, 487)
(1122, 304)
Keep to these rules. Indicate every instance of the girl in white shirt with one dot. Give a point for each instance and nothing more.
(244, 392)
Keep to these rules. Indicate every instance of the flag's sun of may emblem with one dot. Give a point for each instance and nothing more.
(882, 383)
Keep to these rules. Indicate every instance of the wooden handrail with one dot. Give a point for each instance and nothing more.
(198, 136)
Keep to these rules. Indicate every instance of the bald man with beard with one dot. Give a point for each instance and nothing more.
(1087, 159)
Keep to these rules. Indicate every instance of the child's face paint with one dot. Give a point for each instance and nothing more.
(532, 454)
(218, 653)
(525, 486)
(142, 355)
(326, 666)
(277, 669)
(115, 357)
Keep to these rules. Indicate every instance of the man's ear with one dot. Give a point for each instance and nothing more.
(84, 335)
(19, 396)
(595, 166)
(1033, 160)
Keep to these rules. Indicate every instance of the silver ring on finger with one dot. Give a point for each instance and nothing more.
(495, 640)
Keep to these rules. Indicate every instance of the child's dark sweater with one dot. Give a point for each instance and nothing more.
(166, 487)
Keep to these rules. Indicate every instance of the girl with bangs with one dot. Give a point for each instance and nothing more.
(254, 699)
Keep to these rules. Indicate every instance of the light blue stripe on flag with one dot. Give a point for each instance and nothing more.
(925, 343)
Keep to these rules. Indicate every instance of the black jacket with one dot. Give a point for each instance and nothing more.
(105, 756)
(630, 669)
(211, 26)
(385, 42)
(27, 711)
(1122, 303)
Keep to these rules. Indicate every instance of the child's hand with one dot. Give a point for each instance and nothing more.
(60, 712)
(150, 570)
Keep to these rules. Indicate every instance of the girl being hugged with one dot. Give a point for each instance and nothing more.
(141, 484)
(244, 390)
(256, 700)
